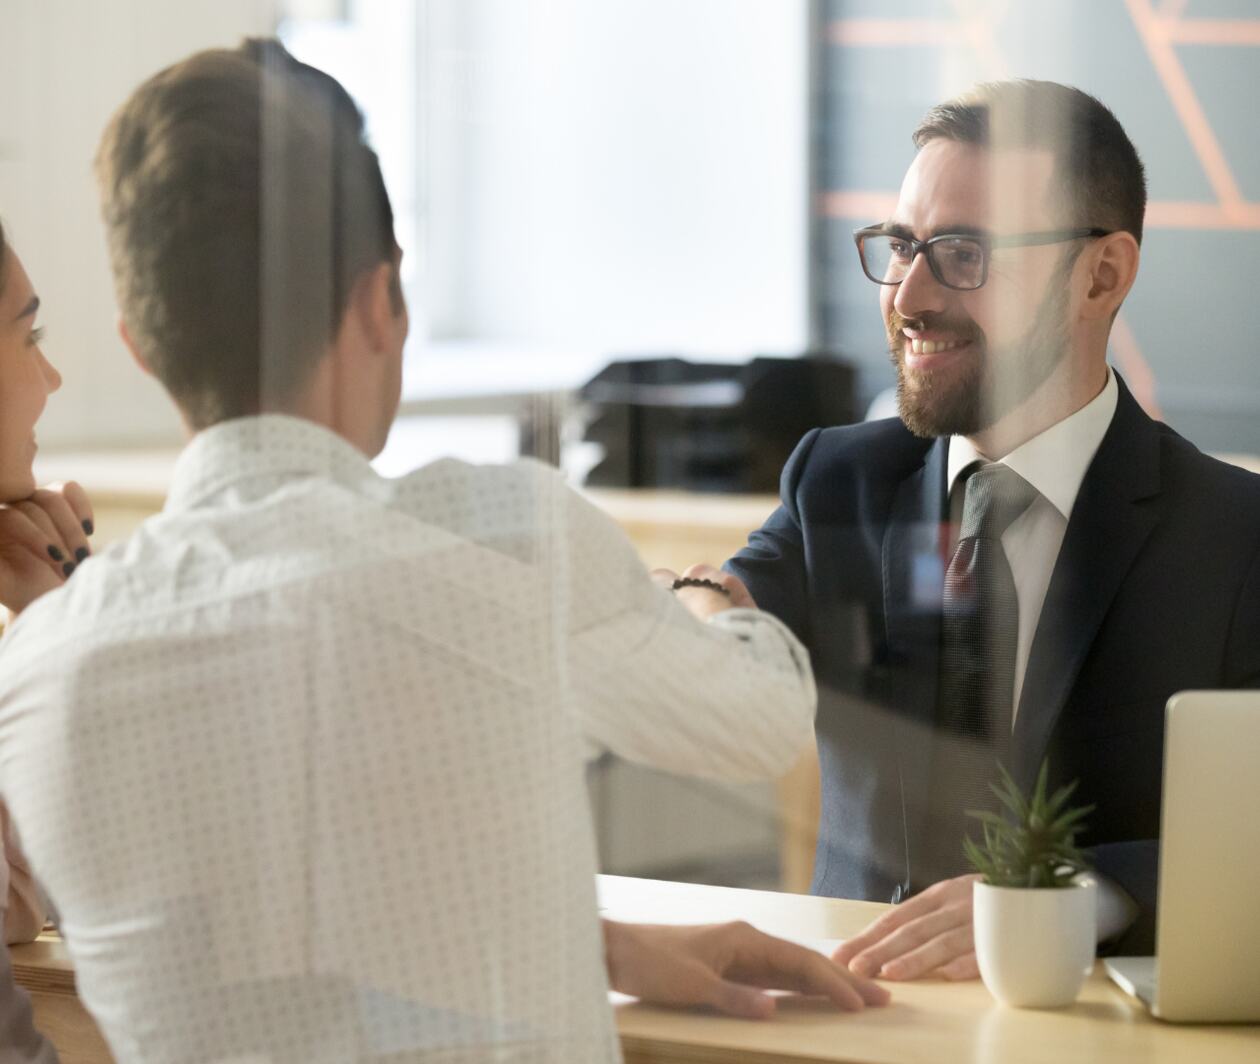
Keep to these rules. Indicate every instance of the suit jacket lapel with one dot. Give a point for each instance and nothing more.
(1106, 529)
(914, 546)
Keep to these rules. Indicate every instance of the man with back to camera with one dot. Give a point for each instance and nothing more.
(300, 763)
(1024, 565)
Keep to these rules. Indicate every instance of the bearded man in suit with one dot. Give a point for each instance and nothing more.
(1024, 564)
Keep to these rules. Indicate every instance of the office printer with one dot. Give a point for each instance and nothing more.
(705, 426)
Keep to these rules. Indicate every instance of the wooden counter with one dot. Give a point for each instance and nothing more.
(671, 529)
(44, 969)
(927, 1022)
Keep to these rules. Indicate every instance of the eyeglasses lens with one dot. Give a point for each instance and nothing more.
(958, 261)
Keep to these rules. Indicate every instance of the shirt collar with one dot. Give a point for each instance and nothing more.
(267, 445)
(1056, 460)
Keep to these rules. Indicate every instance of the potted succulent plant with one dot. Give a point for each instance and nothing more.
(1035, 914)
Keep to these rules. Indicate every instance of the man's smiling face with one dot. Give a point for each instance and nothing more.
(965, 359)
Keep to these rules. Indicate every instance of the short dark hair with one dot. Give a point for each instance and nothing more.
(1097, 165)
(241, 204)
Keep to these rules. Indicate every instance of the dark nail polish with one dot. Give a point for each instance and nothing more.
(81, 553)
(68, 568)
(88, 528)
(55, 553)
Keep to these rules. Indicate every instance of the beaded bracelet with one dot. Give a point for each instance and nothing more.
(692, 581)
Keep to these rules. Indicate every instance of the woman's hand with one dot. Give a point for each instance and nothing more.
(42, 540)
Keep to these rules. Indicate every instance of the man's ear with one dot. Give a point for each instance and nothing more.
(378, 302)
(1113, 266)
(130, 344)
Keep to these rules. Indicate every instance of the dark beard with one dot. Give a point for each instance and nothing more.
(992, 385)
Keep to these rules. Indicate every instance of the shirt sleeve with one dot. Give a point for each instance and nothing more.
(729, 698)
(1116, 910)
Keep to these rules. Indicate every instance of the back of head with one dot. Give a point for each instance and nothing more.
(1097, 167)
(241, 203)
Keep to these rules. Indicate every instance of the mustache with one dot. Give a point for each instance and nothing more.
(964, 328)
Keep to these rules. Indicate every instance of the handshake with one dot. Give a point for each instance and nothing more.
(705, 590)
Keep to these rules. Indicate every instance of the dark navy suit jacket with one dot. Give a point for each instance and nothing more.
(1156, 590)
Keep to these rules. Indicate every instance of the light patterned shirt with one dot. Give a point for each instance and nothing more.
(301, 763)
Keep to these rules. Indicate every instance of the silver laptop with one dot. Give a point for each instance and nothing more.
(1208, 933)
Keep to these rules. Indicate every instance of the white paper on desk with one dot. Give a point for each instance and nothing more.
(826, 946)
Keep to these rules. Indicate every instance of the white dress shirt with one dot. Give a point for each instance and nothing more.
(301, 763)
(1054, 462)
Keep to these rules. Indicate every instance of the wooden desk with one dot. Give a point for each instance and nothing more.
(927, 1023)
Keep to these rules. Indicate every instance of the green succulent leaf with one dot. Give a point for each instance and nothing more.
(1032, 841)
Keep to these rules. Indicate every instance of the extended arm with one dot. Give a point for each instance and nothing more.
(772, 565)
(730, 697)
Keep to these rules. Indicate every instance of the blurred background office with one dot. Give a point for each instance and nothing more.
(578, 183)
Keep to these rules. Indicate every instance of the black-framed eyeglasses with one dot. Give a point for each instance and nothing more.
(957, 260)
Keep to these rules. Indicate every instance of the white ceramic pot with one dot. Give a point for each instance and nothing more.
(1035, 947)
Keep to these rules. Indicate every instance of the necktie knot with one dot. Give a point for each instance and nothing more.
(995, 495)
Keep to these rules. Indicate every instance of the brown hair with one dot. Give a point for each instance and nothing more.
(1098, 167)
(241, 204)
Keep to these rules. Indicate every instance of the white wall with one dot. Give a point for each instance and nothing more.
(629, 174)
(597, 177)
(67, 65)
